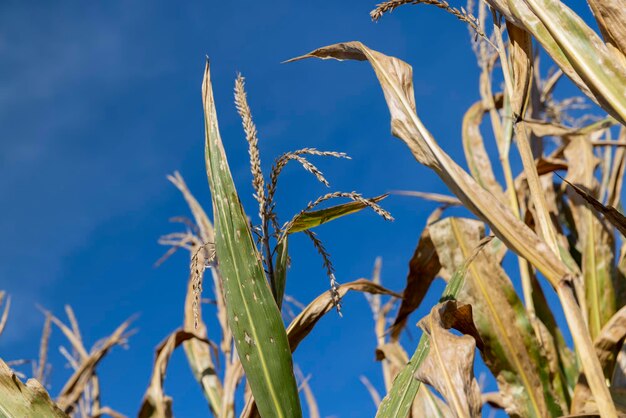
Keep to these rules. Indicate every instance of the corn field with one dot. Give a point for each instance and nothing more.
(559, 218)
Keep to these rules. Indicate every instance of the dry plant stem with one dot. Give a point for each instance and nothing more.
(589, 359)
(503, 134)
(536, 193)
(503, 150)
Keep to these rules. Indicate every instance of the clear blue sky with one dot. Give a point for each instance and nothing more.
(101, 100)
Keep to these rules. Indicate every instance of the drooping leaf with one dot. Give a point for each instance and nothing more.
(308, 220)
(395, 77)
(610, 213)
(18, 400)
(423, 268)
(253, 315)
(304, 323)
(155, 403)
(449, 365)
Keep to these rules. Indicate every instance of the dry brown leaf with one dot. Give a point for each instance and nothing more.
(511, 349)
(616, 177)
(433, 197)
(611, 214)
(426, 404)
(423, 268)
(74, 387)
(155, 403)
(395, 77)
(595, 236)
(5, 312)
(449, 366)
(476, 155)
(611, 16)
(303, 324)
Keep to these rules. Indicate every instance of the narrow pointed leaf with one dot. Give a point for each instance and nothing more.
(253, 315)
(280, 270)
(308, 220)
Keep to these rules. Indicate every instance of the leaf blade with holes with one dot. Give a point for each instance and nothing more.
(253, 315)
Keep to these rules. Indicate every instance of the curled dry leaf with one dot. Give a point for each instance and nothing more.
(155, 403)
(74, 387)
(303, 324)
(476, 155)
(402, 395)
(449, 366)
(423, 269)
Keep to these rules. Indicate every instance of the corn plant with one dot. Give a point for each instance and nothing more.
(560, 217)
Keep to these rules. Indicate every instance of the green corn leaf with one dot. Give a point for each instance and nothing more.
(280, 271)
(253, 315)
(308, 220)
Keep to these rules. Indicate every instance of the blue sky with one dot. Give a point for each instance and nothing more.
(101, 100)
